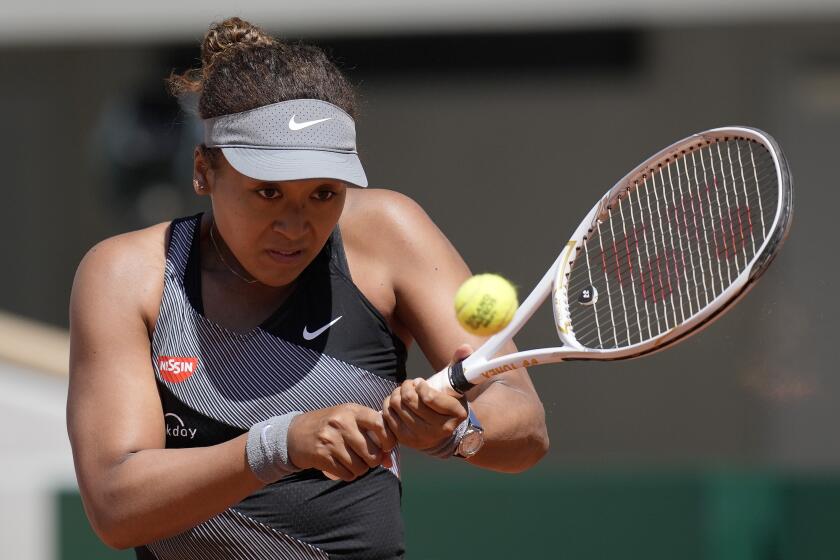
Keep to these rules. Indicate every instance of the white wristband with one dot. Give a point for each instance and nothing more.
(267, 449)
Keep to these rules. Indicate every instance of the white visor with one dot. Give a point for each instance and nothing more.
(290, 140)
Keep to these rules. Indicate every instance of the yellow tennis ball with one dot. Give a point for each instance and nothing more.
(485, 304)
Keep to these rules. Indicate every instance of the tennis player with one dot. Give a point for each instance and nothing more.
(238, 384)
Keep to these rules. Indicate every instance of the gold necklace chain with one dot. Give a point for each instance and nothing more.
(221, 258)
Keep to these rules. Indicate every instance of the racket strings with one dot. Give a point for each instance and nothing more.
(666, 280)
(695, 219)
(662, 300)
(668, 306)
(672, 243)
(692, 225)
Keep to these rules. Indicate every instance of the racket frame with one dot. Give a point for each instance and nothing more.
(484, 362)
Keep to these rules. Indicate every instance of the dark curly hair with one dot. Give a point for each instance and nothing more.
(242, 67)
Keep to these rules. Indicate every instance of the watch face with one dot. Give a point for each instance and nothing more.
(471, 443)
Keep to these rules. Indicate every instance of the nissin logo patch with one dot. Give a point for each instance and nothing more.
(176, 369)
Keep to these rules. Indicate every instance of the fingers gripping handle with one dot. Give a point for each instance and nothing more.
(451, 379)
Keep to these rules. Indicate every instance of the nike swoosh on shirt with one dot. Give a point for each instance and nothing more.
(301, 125)
(310, 335)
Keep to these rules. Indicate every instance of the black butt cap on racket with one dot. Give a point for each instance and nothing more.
(457, 379)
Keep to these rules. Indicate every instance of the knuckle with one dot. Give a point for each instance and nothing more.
(450, 425)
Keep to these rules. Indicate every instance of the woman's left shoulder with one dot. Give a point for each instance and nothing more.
(400, 244)
(389, 207)
(396, 219)
(411, 264)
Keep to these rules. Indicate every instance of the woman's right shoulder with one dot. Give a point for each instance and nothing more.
(129, 266)
(133, 252)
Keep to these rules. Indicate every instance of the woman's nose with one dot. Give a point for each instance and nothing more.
(292, 223)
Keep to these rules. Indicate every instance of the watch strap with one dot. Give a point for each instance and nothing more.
(449, 446)
(472, 425)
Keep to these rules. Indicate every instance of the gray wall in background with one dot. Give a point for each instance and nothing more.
(506, 164)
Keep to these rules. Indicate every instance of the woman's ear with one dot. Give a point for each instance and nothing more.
(199, 187)
(201, 172)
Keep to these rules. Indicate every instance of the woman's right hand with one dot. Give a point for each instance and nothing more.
(343, 441)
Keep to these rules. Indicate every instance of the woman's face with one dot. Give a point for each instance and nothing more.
(274, 229)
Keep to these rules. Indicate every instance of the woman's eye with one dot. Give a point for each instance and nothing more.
(324, 195)
(269, 194)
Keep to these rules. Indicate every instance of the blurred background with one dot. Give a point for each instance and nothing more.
(504, 121)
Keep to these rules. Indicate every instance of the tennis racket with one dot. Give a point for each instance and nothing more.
(662, 254)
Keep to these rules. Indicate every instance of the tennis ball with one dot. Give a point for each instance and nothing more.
(485, 304)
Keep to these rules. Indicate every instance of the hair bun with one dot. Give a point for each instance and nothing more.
(229, 33)
(242, 67)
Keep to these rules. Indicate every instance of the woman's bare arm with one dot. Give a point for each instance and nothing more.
(134, 491)
(427, 271)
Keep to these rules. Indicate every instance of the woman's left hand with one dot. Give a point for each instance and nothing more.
(420, 416)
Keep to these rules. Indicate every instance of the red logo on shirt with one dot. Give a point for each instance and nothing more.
(176, 369)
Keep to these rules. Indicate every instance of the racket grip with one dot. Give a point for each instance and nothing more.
(451, 380)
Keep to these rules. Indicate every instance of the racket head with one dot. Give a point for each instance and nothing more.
(673, 244)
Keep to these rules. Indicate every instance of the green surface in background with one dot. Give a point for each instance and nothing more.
(582, 516)
(460, 512)
(76, 539)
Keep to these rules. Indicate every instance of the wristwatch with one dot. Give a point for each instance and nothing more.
(471, 439)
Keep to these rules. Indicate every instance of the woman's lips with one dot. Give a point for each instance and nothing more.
(285, 256)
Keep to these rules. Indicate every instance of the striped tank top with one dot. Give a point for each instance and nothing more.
(215, 383)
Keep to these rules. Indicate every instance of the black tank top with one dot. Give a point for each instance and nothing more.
(214, 384)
